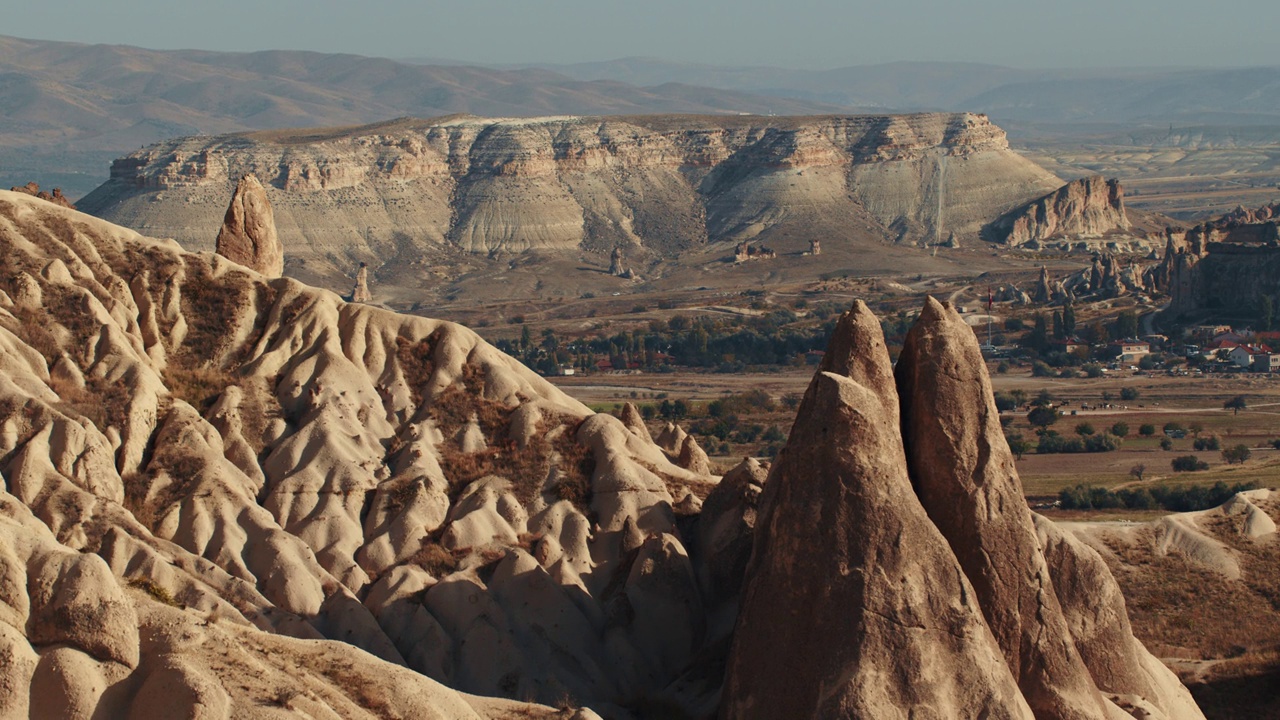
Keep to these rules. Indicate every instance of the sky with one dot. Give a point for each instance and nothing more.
(809, 34)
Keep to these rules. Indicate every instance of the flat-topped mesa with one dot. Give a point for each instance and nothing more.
(662, 183)
(248, 234)
(853, 605)
(1088, 207)
(965, 477)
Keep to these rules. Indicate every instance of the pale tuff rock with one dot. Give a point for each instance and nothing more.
(634, 421)
(1233, 261)
(248, 234)
(360, 293)
(300, 467)
(1095, 612)
(1090, 206)
(660, 184)
(931, 596)
(295, 470)
(693, 457)
(881, 621)
(965, 477)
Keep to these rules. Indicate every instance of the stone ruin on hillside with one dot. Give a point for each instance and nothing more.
(744, 252)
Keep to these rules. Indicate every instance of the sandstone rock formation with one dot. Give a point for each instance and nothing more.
(1230, 262)
(1106, 277)
(360, 293)
(662, 183)
(248, 234)
(1043, 291)
(233, 496)
(287, 465)
(33, 189)
(1091, 206)
(931, 596)
(882, 621)
(615, 262)
(964, 475)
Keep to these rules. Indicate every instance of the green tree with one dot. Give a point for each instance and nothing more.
(1129, 393)
(1038, 338)
(1147, 430)
(1121, 429)
(1042, 416)
(1188, 463)
(1266, 312)
(1018, 445)
(1085, 428)
(1126, 325)
(1069, 319)
(1137, 471)
(1236, 454)
(1058, 332)
(1235, 404)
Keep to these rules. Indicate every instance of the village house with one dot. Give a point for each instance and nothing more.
(1130, 349)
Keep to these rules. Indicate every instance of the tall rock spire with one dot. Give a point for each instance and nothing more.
(964, 475)
(854, 606)
(248, 234)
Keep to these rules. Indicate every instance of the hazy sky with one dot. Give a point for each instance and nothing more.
(794, 33)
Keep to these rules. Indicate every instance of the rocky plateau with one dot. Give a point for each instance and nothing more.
(401, 195)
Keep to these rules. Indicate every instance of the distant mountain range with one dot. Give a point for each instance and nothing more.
(67, 110)
(1247, 96)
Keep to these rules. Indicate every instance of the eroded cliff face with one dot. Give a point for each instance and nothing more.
(1224, 265)
(1088, 207)
(663, 182)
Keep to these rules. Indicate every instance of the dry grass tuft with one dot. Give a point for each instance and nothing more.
(155, 590)
(437, 559)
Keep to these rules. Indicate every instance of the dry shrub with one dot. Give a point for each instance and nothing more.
(208, 306)
(437, 559)
(265, 298)
(415, 363)
(401, 496)
(103, 403)
(155, 590)
(577, 466)
(33, 328)
(182, 472)
(198, 386)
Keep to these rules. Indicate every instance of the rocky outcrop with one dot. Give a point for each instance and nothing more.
(33, 189)
(287, 465)
(660, 184)
(1042, 292)
(964, 475)
(360, 293)
(896, 570)
(854, 606)
(1092, 206)
(1106, 277)
(1231, 262)
(248, 234)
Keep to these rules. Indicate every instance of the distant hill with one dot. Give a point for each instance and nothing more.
(67, 109)
(1247, 96)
